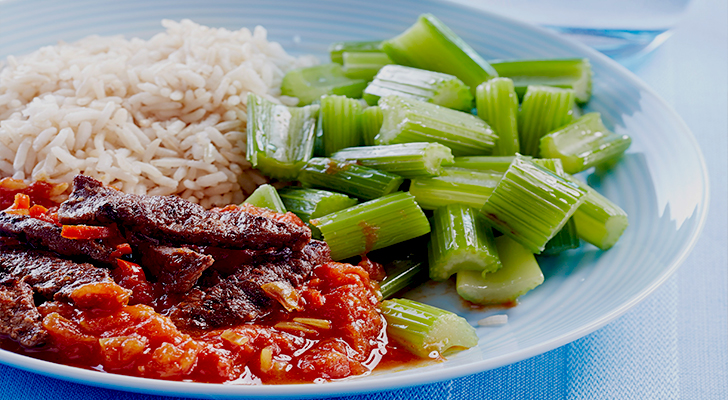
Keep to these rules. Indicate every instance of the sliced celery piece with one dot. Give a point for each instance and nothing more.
(370, 120)
(372, 225)
(310, 83)
(566, 239)
(337, 49)
(430, 45)
(428, 86)
(408, 160)
(544, 109)
(497, 105)
(409, 120)
(520, 273)
(531, 204)
(347, 177)
(484, 163)
(598, 221)
(455, 185)
(339, 124)
(584, 143)
(364, 65)
(280, 139)
(460, 243)
(266, 196)
(552, 164)
(314, 203)
(404, 274)
(573, 73)
(425, 330)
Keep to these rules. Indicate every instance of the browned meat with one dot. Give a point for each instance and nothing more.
(178, 268)
(48, 275)
(176, 221)
(19, 318)
(239, 297)
(46, 236)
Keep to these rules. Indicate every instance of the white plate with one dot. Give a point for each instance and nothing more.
(662, 183)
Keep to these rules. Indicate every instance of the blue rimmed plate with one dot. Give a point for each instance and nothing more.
(661, 183)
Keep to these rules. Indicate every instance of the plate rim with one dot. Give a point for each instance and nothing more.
(357, 385)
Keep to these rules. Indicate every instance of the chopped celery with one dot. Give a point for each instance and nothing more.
(460, 243)
(455, 185)
(404, 274)
(430, 45)
(337, 49)
(280, 139)
(347, 177)
(584, 143)
(372, 225)
(566, 239)
(519, 274)
(552, 164)
(364, 65)
(531, 204)
(338, 124)
(497, 105)
(544, 109)
(310, 83)
(425, 330)
(428, 86)
(598, 220)
(484, 163)
(314, 203)
(573, 73)
(409, 160)
(265, 196)
(371, 122)
(409, 120)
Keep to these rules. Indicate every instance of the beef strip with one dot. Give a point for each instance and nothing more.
(19, 318)
(176, 221)
(47, 236)
(239, 297)
(49, 276)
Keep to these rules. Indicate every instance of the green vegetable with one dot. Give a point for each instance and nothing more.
(520, 273)
(339, 126)
(565, 73)
(408, 120)
(409, 160)
(455, 185)
(484, 163)
(497, 105)
(265, 196)
(531, 204)
(364, 65)
(430, 45)
(598, 220)
(544, 109)
(428, 86)
(337, 50)
(566, 239)
(371, 122)
(459, 242)
(372, 225)
(425, 330)
(310, 83)
(313, 203)
(347, 177)
(405, 273)
(280, 139)
(584, 143)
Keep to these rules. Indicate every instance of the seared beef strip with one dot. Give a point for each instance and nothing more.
(19, 318)
(47, 236)
(177, 221)
(239, 297)
(51, 277)
(177, 268)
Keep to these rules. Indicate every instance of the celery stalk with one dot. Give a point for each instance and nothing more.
(409, 160)
(455, 185)
(370, 120)
(430, 45)
(265, 196)
(497, 105)
(364, 65)
(563, 73)
(544, 109)
(566, 239)
(520, 273)
(484, 163)
(339, 123)
(347, 177)
(598, 220)
(313, 203)
(459, 242)
(425, 330)
(409, 120)
(376, 224)
(428, 86)
(337, 49)
(310, 83)
(404, 274)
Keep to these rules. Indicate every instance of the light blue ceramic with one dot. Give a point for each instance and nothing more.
(661, 183)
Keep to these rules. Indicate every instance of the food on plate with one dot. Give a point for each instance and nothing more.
(126, 247)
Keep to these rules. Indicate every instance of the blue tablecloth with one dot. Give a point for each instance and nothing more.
(674, 345)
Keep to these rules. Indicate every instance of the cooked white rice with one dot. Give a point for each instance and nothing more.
(159, 116)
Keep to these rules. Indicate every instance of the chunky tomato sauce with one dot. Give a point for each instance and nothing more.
(335, 332)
